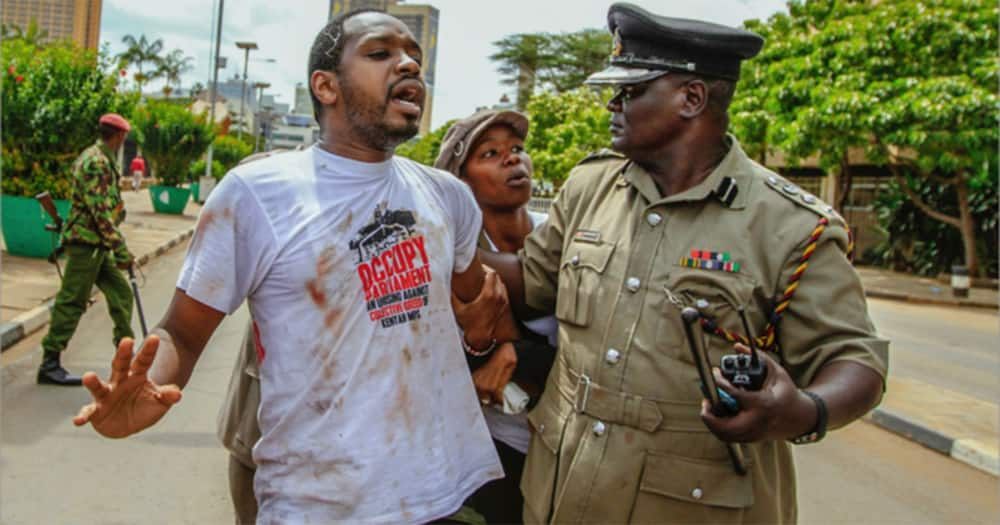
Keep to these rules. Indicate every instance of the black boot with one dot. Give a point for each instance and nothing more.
(52, 373)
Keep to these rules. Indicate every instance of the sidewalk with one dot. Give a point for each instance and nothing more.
(28, 285)
(953, 424)
(885, 284)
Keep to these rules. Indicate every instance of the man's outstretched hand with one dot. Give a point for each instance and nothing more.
(129, 401)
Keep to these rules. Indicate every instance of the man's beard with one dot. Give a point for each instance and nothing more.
(367, 120)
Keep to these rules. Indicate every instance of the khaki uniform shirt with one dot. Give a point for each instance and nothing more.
(618, 434)
(237, 427)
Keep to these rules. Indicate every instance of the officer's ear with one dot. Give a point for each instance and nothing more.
(695, 98)
(325, 87)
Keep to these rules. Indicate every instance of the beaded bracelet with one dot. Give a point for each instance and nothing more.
(478, 353)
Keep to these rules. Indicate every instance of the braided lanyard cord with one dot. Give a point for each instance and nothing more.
(767, 341)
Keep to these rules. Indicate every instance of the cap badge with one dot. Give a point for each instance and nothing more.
(616, 47)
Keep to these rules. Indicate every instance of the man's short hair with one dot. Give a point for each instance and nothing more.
(326, 50)
(108, 131)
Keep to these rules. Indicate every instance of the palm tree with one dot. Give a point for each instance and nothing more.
(32, 36)
(520, 59)
(578, 55)
(139, 53)
(171, 67)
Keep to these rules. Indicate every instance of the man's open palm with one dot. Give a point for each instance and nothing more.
(129, 401)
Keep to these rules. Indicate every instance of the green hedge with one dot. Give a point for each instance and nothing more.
(172, 138)
(52, 98)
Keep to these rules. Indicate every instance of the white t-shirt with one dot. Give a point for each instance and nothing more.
(367, 413)
(512, 429)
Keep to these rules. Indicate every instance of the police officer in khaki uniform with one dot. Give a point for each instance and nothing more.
(679, 216)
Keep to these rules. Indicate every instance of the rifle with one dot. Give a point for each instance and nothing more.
(56, 227)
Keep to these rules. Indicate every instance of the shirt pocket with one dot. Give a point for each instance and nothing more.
(690, 491)
(719, 296)
(580, 275)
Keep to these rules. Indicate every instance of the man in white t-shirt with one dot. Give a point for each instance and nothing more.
(347, 256)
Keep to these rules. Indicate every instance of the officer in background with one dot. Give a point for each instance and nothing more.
(95, 250)
(677, 216)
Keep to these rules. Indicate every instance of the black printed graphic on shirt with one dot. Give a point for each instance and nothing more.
(393, 267)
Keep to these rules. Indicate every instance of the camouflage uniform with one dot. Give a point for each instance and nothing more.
(94, 248)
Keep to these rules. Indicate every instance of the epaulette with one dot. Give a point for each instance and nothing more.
(803, 198)
(602, 154)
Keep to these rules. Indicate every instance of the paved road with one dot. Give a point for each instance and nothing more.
(954, 348)
(51, 472)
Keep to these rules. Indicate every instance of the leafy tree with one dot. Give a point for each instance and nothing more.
(917, 243)
(519, 58)
(44, 129)
(172, 138)
(139, 53)
(425, 149)
(565, 128)
(911, 84)
(576, 56)
(550, 62)
(171, 67)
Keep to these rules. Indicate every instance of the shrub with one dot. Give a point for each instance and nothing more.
(229, 151)
(172, 138)
(198, 169)
(52, 98)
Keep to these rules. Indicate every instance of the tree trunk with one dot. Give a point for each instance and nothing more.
(525, 85)
(967, 227)
(845, 181)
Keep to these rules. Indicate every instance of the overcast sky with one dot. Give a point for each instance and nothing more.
(466, 78)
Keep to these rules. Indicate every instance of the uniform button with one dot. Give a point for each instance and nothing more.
(790, 189)
(612, 356)
(808, 199)
(633, 284)
(696, 493)
(772, 179)
(599, 429)
(701, 304)
(575, 260)
(541, 428)
(654, 219)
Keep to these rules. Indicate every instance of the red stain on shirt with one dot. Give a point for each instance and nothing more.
(261, 352)
(316, 292)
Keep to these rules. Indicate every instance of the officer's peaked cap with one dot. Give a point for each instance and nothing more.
(647, 46)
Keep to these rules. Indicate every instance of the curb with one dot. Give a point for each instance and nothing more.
(897, 296)
(11, 332)
(965, 450)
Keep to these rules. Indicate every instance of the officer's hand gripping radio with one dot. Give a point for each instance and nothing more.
(745, 371)
(722, 403)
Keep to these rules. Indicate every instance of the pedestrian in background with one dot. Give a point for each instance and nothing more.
(486, 151)
(678, 217)
(138, 170)
(95, 250)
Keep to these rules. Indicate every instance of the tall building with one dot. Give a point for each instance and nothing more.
(422, 20)
(76, 20)
(303, 102)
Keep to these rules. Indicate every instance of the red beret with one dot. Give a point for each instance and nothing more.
(116, 121)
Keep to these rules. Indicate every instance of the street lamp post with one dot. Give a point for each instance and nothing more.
(260, 86)
(246, 47)
(215, 86)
